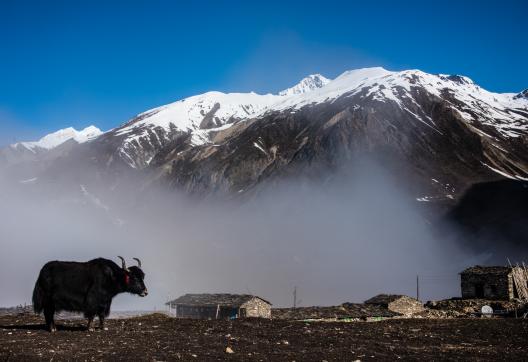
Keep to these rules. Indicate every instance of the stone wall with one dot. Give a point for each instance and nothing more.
(198, 312)
(256, 307)
(406, 305)
(487, 286)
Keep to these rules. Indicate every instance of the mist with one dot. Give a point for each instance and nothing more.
(344, 239)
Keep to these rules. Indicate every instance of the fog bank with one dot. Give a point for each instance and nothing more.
(343, 240)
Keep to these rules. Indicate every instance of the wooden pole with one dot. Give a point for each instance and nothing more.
(525, 271)
(417, 287)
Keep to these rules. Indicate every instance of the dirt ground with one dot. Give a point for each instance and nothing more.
(160, 338)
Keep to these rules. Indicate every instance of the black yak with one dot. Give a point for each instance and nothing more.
(84, 287)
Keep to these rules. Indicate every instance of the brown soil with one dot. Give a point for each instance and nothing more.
(350, 311)
(160, 338)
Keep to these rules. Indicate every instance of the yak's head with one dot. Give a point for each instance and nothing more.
(134, 278)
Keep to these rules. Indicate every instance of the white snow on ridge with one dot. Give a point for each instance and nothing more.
(473, 103)
(188, 113)
(57, 138)
(214, 111)
(346, 82)
(476, 105)
(308, 84)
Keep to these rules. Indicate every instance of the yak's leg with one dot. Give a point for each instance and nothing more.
(91, 311)
(90, 320)
(101, 321)
(102, 313)
(49, 313)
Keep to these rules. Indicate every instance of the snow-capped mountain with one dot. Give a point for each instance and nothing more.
(199, 116)
(473, 103)
(57, 138)
(202, 117)
(444, 131)
(196, 116)
(212, 111)
(26, 158)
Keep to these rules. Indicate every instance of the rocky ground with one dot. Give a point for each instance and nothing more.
(157, 337)
(348, 312)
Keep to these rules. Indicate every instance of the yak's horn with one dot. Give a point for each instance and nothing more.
(123, 264)
(138, 261)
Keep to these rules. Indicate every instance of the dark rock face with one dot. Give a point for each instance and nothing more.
(493, 212)
(523, 94)
(209, 120)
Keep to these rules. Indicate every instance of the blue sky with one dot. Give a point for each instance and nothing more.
(80, 62)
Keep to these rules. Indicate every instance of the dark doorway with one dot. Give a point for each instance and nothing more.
(479, 290)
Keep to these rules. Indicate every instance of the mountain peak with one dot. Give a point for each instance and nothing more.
(311, 82)
(57, 138)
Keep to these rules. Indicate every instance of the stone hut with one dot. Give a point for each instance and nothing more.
(219, 306)
(490, 282)
(401, 304)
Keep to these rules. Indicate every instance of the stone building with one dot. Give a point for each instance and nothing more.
(401, 304)
(219, 306)
(492, 282)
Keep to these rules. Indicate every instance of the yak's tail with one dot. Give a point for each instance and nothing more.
(38, 297)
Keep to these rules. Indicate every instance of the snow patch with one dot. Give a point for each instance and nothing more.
(260, 148)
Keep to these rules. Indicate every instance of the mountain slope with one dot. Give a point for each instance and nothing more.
(198, 116)
(439, 133)
(444, 131)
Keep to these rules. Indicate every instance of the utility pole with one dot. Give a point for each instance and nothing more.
(417, 287)
(294, 297)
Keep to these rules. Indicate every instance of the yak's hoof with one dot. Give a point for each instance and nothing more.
(91, 329)
(53, 329)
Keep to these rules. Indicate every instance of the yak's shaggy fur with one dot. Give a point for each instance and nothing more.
(84, 287)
